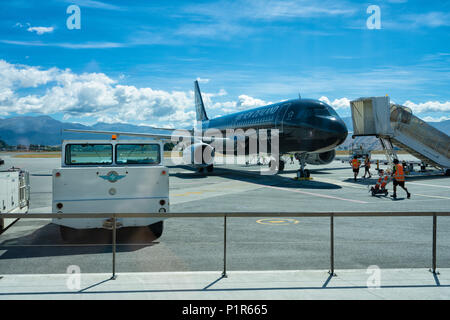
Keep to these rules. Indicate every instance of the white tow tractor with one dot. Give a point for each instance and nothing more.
(110, 176)
(14, 194)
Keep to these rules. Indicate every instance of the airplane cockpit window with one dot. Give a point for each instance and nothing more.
(332, 112)
(321, 111)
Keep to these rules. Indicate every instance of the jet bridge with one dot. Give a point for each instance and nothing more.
(396, 125)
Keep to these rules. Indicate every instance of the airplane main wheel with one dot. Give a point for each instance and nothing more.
(307, 174)
(200, 170)
(210, 168)
(157, 229)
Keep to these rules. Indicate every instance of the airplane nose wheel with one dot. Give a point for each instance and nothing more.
(302, 172)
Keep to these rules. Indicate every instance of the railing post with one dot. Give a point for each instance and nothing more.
(224, 273)
(114, 248)
(434, 244)
(331, 272)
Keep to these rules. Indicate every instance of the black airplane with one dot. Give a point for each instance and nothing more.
(310, 129)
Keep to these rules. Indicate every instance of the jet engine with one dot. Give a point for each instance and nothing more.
(199, 155)
(320, 158)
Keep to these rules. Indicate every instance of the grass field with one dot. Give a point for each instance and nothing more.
(39, 155)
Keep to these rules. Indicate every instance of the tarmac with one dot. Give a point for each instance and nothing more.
(192, 248)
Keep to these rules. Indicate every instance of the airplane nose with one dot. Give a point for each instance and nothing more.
(342, 132)
(339, 130)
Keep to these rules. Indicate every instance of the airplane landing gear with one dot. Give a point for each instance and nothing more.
(302, 172)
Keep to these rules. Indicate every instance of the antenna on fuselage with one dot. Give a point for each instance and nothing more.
(299, 96)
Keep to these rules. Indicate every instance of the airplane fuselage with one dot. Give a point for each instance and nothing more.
(305, 126)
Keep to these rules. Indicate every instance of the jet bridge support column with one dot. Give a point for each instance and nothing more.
(371, 117)
(389, 150)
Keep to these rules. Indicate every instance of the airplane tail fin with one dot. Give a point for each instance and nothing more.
(199, 106)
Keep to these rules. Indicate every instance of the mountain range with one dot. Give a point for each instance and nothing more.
(45, 130)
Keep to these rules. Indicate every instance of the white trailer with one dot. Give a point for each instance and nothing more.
(14, 194)
(110, 176)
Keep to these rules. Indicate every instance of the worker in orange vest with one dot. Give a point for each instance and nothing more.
(355, 165)
(399, 179)
(367, 167)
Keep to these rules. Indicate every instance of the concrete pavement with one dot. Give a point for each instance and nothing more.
(373, 284)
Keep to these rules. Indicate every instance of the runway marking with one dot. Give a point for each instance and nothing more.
(188, 193)
(428, 185)
(428, 196)
(318, 195)
(278, 222)
(341, 183)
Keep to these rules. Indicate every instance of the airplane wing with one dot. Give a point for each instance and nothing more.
(160, 136)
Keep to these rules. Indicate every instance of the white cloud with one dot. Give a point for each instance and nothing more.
(41, 30)
(67, 45)
(93, 95)
(343, 103)
(430, 106)
(432, 119)
(97, 97)
(426, 107)
(200, 80)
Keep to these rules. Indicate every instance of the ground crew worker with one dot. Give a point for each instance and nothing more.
(367, 167)
(292, 158)
(355, 165)
(399, 179)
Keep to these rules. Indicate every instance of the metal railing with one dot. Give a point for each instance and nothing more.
(331, 215)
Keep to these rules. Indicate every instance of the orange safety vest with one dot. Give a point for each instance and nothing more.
(386, 179)
(355, 164)
(399, 175)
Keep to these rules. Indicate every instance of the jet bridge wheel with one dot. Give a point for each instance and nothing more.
(157, 229)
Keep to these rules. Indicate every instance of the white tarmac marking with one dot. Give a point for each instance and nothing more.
(428, 185)
(428, 196)
(318, 195)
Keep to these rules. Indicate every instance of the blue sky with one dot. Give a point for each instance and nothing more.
(136, 62)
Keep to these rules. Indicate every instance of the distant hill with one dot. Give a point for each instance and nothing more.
(45, 130)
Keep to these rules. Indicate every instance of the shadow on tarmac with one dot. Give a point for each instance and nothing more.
(46, 242)
(255, 177)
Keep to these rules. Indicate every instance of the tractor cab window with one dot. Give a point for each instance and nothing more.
(138, 154)
(88, 154)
